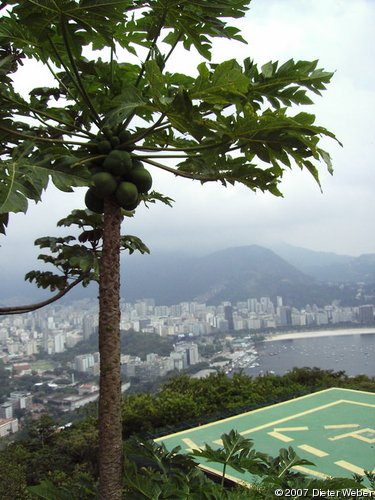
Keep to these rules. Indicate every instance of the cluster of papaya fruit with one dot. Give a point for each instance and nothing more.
(118, 174)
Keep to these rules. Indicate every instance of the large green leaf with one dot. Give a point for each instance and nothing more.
(222, 85)
(23, 179)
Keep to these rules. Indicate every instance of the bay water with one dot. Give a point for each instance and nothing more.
(354, 354)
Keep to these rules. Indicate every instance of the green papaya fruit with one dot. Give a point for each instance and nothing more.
(131, 206)
(141, 178)
(107, 132)
(91, 146)
(93, 201)
(137, 163)
(126, 194)
(124, 136)
(104, 147)
(105, 184)
(115, 141)
(65, 161)
(118, 162)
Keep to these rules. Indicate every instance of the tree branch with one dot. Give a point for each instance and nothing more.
(62, 130)
(180, 173)
(149, 130)
(38, 139)
(178, 39)
(43, 113)
(199, 147)
(79, 82)
(4, 311)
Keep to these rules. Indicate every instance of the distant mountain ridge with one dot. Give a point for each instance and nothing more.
(329, 266)
(299, 275)
(232, 274)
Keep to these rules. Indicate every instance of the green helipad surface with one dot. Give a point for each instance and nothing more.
(334, 429)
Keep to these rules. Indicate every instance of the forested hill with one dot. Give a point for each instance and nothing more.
(232, 274)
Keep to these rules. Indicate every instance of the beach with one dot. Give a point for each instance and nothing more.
(319, 333)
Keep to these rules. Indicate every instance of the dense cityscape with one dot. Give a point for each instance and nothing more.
(54, 329)
(29, 341)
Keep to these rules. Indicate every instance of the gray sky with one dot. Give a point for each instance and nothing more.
(340, 34)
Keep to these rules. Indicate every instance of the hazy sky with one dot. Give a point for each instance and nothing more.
(340, 34)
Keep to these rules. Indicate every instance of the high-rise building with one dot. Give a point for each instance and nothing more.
(83, 362)
(285, 315)
(189, 351)
(87, 326)
(252, 305)
(6, 410)
(279, 301)
(59, 342)
(228, 315)
(366, 314)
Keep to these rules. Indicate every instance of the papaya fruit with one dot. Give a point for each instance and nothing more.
(104, 146)
(137, 163)
(124, 136)
(115, 141)
(131, 206)
(118, 162)
(126, 194)
(107, 132)
(104, 183)
(91, 146)
(65, 161)
(141, 178)
(93, 201)
(126, 141)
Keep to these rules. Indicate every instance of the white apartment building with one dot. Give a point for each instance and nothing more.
(8, 426)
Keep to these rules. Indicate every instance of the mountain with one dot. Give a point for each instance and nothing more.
(232, 274)
(243, 272)
(329, 266)
(300, 276)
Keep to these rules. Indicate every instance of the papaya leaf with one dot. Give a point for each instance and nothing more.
(48, 491)
(133, 243)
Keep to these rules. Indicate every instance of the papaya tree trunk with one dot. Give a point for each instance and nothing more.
(110, 423)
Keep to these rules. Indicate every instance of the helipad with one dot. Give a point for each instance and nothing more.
(334, 429)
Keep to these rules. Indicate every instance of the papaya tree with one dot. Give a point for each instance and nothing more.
(117, 114)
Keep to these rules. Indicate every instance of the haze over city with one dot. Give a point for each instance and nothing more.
(204, 218)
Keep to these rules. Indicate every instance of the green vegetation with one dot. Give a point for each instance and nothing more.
(67, 461)
(132, 343)
(140, 344)
(42, 364)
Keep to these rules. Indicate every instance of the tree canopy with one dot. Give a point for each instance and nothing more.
(112, 63)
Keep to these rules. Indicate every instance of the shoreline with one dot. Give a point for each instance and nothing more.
(319, 333)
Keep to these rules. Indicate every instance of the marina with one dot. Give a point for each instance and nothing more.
(352, 353)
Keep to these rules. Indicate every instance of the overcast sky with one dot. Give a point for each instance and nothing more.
(340, 34)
